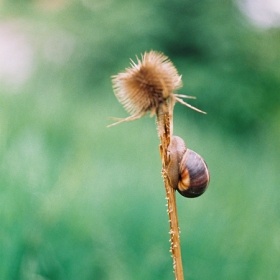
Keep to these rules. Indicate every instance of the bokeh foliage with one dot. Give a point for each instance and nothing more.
(81, 201)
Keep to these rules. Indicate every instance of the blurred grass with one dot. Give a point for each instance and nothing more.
(81, 201)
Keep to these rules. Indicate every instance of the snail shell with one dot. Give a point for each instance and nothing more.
(194, 175)
(187, 171)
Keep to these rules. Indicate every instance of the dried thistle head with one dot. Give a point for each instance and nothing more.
(149, 82)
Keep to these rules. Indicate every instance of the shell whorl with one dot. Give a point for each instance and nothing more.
(194, 175)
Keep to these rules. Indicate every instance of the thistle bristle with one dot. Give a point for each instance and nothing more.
(147, 83)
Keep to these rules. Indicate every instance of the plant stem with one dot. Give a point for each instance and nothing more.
(164, 121)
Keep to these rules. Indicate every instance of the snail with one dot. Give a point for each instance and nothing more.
(186, 170)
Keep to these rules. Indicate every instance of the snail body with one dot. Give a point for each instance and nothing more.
(187, 172)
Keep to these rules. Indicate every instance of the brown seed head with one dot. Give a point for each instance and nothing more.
(146, 84)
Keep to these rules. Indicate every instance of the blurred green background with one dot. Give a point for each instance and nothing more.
(82, 201)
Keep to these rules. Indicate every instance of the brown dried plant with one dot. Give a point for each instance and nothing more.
(149, 86)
